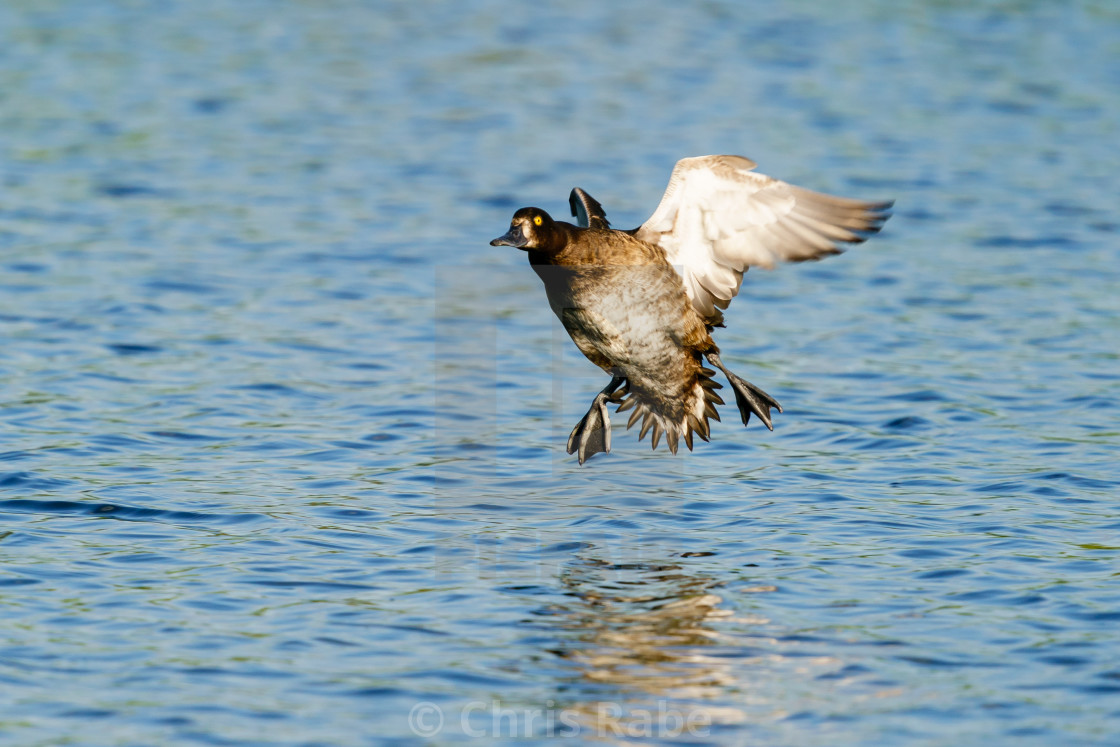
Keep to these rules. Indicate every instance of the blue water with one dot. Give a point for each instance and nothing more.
(281, 436)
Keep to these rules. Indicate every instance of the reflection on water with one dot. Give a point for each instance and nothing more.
(644, 637)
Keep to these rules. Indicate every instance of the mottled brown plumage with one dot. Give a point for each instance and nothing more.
(632, 311)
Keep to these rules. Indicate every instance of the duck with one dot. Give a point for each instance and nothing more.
(642, 304)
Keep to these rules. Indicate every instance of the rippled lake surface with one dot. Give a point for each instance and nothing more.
(282, 438)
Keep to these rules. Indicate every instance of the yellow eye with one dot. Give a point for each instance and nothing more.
(538, 220)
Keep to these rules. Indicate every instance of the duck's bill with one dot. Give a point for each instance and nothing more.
(512, 237)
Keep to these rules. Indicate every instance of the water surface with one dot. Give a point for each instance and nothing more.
(281, 436)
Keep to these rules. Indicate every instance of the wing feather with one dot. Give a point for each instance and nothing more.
(718, 218)
(586, 210)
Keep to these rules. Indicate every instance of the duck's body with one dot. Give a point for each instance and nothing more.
(642, 304)
(626, 310)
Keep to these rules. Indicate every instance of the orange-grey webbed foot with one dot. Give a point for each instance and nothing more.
(592, 434)
(748, 397)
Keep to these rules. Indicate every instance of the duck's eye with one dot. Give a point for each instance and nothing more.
(537, 220)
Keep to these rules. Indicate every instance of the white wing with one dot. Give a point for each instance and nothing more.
(718, 218)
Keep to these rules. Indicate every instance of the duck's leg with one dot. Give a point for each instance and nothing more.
(593, 434)
(748, 397)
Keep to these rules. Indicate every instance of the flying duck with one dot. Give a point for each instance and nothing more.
(642, 304)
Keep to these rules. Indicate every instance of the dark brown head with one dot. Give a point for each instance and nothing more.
(533, 229)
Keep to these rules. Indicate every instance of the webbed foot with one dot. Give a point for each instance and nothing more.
(748, 397)
(592, 434)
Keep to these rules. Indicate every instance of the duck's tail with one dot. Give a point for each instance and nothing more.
(677, 415)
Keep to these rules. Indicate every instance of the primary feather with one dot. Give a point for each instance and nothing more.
(718, 218)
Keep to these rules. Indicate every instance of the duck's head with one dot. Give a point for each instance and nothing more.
(530, 228)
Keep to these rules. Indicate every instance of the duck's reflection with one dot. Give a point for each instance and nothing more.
(647, 647)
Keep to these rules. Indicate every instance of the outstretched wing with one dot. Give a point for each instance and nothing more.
(587, 210)
(718, 218)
